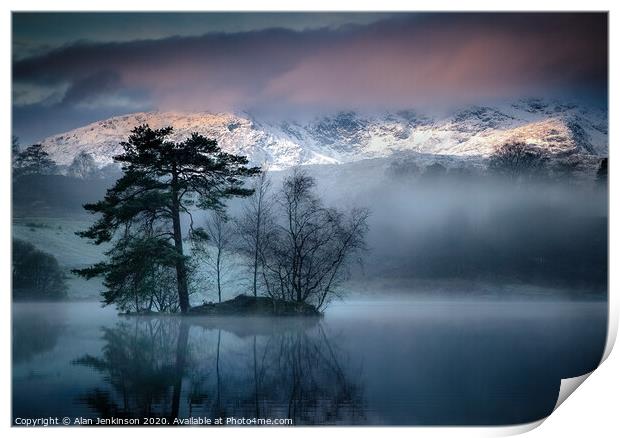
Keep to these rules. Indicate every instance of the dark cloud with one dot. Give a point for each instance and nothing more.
(91, 87)
(408, 61)
(34, 31)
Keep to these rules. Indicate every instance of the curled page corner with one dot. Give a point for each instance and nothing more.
(519, 429)
(568, 386)
(612, 329)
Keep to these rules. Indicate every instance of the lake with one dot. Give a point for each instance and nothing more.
(392, 362)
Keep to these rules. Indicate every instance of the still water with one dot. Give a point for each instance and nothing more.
(400, 362)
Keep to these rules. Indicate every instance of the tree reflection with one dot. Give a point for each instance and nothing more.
(34, 332)
(158, 367)
(143, 361)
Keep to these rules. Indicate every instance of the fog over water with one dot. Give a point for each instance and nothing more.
(462, 228)
(454, 230)
(474, 298)
(428, 250)
(366, 362)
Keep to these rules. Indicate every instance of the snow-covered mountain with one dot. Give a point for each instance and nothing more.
(475, 131)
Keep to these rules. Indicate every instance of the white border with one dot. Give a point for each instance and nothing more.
(593, 411)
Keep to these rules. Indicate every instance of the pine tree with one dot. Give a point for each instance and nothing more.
(34, 161)
(162, 181)
(138, 275)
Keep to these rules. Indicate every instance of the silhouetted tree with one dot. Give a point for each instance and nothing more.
(220, 235)
(310, 249)
(517, 160)
(34, 160)
(36, 274)
(144, 364)
(163, 180)
(138, 274)
(160, 367)
(601, 174)
(567, 168)
(254, 226)
(83, 166)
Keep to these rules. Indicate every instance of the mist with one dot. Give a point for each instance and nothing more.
(471, 229)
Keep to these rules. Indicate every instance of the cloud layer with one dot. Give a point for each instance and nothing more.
(408, 61)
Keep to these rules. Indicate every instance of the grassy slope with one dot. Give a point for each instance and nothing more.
(57, 237)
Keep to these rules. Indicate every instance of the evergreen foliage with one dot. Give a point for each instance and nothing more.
(34, 161)
(162, 181)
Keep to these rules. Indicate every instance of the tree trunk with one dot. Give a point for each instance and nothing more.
(217, 371)
(255, 270)
(219, 281)
(256, 382)
(178, 245)
(179, 369)
(256, 243)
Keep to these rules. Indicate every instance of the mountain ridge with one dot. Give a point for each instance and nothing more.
(474, 131)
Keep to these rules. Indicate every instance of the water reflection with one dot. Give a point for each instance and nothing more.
(141, 361)
(172, 367)
(397, 363)
(34, 333)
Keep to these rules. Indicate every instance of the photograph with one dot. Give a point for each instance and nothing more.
(288, 219)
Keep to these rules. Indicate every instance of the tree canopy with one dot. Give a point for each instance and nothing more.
(36, 274)
(34, 160)
(162, 181)
(517, 160)
(310, 246)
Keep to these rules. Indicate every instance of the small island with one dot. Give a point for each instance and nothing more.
(244, 305)
(170, 233)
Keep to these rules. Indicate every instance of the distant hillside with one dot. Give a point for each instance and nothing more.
(56, 195)
(475, 131)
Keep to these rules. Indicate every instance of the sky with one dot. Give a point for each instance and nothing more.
(70, 69)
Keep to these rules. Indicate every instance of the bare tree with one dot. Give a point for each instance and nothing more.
(309, 251)
(517, 160)
(219, 232)
(254, 225)
(83, 166)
